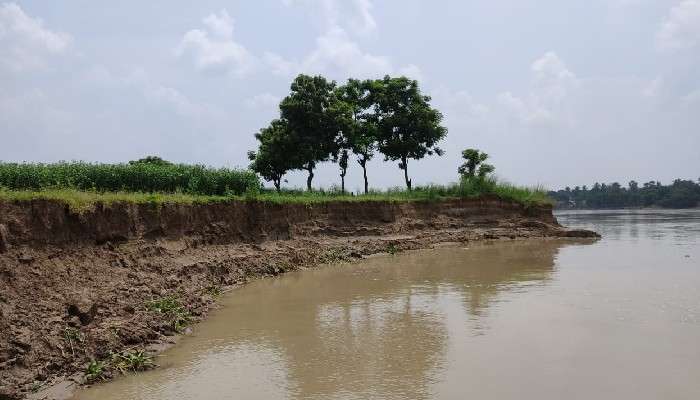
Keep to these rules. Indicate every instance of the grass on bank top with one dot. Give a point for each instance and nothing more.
(466, 188)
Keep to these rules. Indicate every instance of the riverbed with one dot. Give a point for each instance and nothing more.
(525, 319)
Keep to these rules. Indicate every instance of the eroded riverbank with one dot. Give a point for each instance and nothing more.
(75, 287)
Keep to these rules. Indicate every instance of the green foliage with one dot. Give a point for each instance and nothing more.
(131, 360)
(95, 370)
(360, 136)
(73, 337)
(152, 160)
(475, 164)
(276, 153)
(133, 177)
(392, 249)
(315, 117)
(680, 194)
(408, 127)
(178, 315)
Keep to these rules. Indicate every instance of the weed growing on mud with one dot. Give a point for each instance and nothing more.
(392, 249)
(213, 291)
(179, 316)
(72, 336)
(133, 360)
(332, 256)
(95, 371)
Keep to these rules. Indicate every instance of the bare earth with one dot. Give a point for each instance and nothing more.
(94, 272)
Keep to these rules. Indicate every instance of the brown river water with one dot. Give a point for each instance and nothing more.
(614, 319)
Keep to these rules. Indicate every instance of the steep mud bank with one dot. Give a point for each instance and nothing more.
(74, 287)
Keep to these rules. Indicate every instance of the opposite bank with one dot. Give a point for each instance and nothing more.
(75, 286)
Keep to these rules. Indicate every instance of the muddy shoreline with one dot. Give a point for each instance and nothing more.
(94, 273)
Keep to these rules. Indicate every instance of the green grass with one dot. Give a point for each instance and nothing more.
(132, 360)
(178, 315)
(94, 370)
(474, 188)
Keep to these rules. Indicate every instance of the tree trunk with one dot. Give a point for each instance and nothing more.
(363, 164)
(364, 173)
(278, 183)
(310, 178)
(342, 183)
(405, 173)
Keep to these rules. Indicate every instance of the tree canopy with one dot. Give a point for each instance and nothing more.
(321, 121)
(276, 152)
(407, 126)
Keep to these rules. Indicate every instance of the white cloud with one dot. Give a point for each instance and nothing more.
(692, 98)
(171, 97)
(353, 14)
(552, 82)
(681, 27)
(25, 42)
(214, 49)
(335, 54)
(654, 87)
(458, 105)
(365, 22)
(263, 100)
(411, 71)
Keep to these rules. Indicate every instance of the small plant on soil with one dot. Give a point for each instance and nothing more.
(94, 371)
(171, 307)
(392, 249)
(213, 291)
(72, 336)
(333, 256)
(132, 360)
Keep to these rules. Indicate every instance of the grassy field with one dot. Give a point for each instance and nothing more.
(81, 199)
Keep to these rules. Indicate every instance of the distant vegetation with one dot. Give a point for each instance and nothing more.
(679, 194)
(146, 175)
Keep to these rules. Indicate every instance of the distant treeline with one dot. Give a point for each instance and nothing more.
(150, 174)
(680, 194)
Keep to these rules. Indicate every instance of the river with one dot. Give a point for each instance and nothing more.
(542, 319)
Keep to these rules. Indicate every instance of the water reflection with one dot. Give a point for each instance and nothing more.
(375, 330)
(681, 226)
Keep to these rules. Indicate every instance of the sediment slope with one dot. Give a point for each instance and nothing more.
(93, 272)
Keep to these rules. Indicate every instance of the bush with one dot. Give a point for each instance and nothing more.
(133, 177)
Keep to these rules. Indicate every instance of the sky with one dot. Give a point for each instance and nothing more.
(557, 92)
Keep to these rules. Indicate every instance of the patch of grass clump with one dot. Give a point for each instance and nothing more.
(95, 370)
(178, 315)
(131, 360)
(72, 336)
(392, 249)
(213, 291)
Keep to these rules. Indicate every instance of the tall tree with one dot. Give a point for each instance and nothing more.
(407, 126)
(315, 118)
(276, 153)
(475, 164)
(342, 160)
(361, 135)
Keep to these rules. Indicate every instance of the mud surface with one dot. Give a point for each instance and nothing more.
(76, 287)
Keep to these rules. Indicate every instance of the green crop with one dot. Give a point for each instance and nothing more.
(133, 177)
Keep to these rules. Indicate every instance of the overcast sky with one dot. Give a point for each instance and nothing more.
(557, 92)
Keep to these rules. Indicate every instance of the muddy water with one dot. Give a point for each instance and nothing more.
(617, 319)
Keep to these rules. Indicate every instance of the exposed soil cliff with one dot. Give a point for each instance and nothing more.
(74, 287)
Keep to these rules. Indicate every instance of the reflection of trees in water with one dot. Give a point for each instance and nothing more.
(380, 327)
